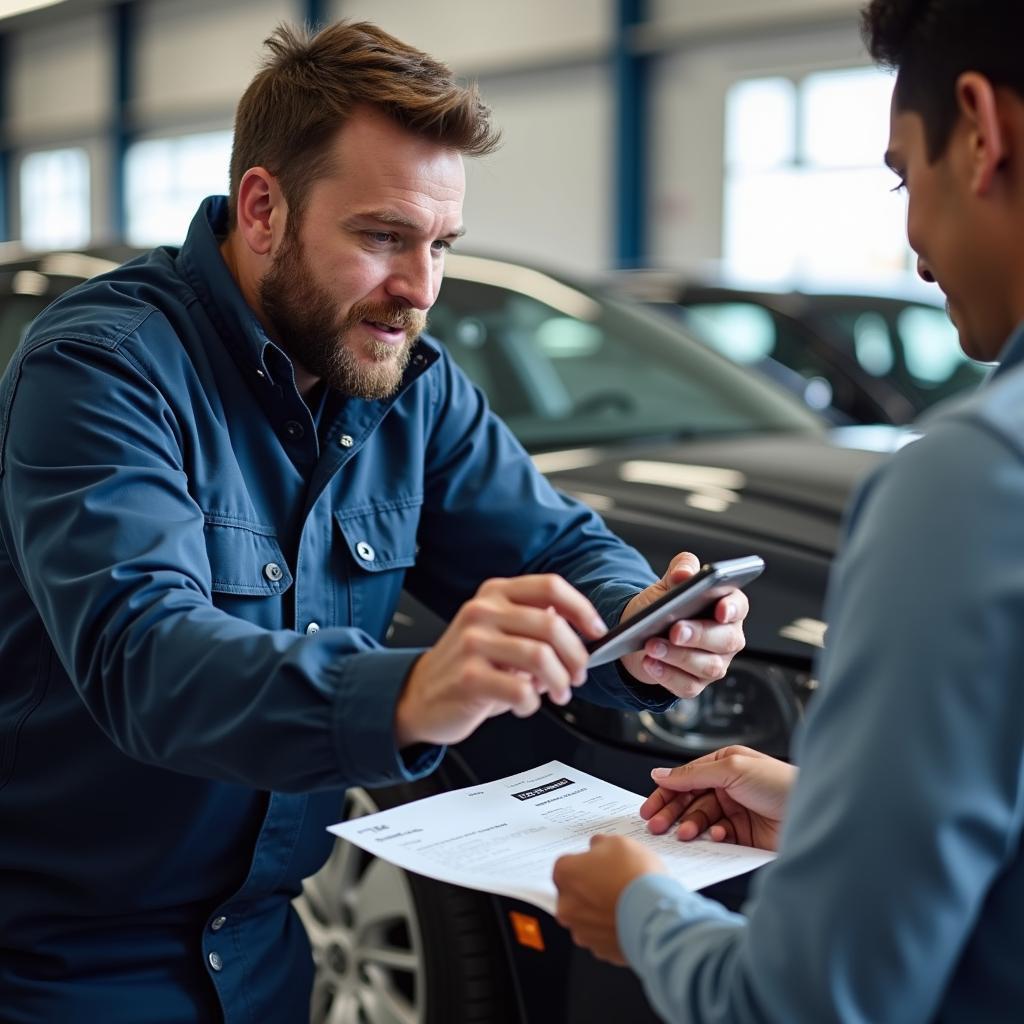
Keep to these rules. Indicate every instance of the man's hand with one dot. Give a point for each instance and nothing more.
(695, 653)
(514, 640)
(739, 795)
(589, 886)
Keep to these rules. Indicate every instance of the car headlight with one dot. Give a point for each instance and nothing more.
(757, 704)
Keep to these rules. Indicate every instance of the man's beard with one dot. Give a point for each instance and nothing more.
(305, 320)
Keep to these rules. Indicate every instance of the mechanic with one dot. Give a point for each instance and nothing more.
(219, 466)
(898, 892)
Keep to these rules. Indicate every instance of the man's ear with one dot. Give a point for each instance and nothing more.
(261, 210)
(979, 105)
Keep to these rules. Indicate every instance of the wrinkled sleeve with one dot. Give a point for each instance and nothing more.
(108, 542)
(909, 801)
(488, 512)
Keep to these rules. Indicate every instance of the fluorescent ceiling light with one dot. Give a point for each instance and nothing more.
(9, 8)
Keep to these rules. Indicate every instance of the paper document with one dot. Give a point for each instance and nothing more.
(504, 837)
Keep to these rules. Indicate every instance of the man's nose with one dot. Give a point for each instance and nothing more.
(924, 271)
(413, 280)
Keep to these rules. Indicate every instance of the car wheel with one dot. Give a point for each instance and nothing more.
(391, 947)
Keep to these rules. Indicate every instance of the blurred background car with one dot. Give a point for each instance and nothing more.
(678, 448)
(854, 357)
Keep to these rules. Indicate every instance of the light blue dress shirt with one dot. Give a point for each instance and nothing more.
(898, 894)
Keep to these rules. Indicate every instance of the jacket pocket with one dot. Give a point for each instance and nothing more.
(245, 557)
(379, 544)
(383, 536)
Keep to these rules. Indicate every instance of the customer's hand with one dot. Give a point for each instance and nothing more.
(696, 652)
(737, 794)
(589, 886)
(513, 641)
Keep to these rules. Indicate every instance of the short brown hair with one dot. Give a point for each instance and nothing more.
(310, 84)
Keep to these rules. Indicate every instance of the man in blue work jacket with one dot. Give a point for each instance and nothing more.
(898, 893)
(218, 468)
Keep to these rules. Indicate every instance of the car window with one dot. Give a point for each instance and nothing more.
(931, 346)
(872, 345)
(564, 366)
(740, 330)
(783, 350)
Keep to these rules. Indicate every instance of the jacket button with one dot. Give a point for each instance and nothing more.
(313, 627)
(217, 923)
(215, 961)
(273, 572)
(293, 430)
(346, 441)
(365, 552)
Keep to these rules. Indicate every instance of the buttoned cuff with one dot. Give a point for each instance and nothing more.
(364, 721)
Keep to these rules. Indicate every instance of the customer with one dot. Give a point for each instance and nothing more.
(218, 468)
(898, 893)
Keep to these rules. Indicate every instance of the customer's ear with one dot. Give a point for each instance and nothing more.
(987, 133)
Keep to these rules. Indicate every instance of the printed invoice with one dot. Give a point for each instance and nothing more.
(505, 836)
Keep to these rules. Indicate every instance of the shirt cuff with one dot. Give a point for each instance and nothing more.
(612, 679)
(364, 721)
(655, 906)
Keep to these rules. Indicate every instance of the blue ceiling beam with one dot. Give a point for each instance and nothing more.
(315, 13)
(123, 34)
(630, 71)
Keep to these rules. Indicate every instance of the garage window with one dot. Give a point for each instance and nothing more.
(807, 198)
(166, 179)
(54, 190)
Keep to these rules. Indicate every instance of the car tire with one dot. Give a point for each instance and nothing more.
(391, 947)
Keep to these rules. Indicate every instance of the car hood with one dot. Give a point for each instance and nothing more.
(786, 489)
(778, 496)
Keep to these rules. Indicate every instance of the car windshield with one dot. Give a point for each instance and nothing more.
(565, 365)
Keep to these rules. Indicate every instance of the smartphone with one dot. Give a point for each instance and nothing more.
(692, 599)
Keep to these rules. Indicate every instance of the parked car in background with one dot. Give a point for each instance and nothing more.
(677, 447)
(859, 358)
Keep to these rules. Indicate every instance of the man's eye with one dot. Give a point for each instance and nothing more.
(382, 237)
(442, 246)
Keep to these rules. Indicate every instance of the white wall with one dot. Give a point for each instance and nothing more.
(546, 194)
(194, 58)
(59, 80)
(476, 36)
(699, 16)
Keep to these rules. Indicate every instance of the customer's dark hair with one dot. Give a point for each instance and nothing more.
(310, 84)
(930, 43)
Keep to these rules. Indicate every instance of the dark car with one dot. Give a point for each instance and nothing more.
(911, 342)
(678, 448)
(858, 358)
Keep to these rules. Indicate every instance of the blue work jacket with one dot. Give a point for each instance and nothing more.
(195, 581)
